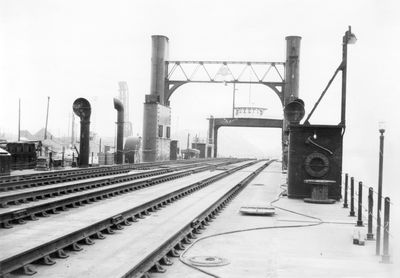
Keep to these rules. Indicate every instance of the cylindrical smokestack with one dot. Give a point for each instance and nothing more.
(159, 70)
(291, 87)
(292, 68)
(82, 109)
(120, 129)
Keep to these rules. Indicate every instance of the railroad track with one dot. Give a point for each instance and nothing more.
(45, 178)
(92, 222)
(72, 194)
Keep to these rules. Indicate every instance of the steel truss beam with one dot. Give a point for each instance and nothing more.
(182, 72)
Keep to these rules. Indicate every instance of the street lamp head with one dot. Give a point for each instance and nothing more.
(349, 37)
(381, 126)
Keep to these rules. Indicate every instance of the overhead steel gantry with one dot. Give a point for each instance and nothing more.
(216, 123)
(167, 76)
(225, 72)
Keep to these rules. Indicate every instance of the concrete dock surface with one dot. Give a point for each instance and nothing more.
(260, 248)
(300, 240)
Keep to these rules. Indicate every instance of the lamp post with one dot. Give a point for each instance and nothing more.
(378, 218)
(348, 38)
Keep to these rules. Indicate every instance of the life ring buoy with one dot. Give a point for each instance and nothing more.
(316, 164)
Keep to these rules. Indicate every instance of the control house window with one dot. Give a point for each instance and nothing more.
(160, 131)
(168, 135)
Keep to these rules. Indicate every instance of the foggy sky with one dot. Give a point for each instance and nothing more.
(71, 49)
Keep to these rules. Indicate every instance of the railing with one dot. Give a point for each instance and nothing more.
(358, 198)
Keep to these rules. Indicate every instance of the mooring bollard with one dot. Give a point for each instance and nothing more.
(385, 255)
(359, 220)
(352, 212)
(370, 235)
(346, 185)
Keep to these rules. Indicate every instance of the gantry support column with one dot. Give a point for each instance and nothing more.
(291, 89)
(157, 115)
(210, 145)
(215, 140)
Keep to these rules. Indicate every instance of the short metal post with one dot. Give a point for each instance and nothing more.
(359, 220)
(385, 255)
(92, 158)
(73, 158)
(370, 235)
(346, 185)
(352, 212)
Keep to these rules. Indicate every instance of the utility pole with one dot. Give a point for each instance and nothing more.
(380, 176)
(19, 120)
(233, 104)
(47, 118)
(73, 130)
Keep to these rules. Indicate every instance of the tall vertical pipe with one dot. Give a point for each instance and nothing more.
(155, 100)
(292, 66)
(120, 129)
(159, 71)
(47, 118)
(83, 110)
(19, 120)
(380, 177)
(291, 87)
(344, 82)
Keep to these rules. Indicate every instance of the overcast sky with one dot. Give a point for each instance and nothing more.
(71, 49)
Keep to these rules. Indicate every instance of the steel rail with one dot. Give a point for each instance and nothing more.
(107, 225)
(15, 197)
(184, 236)
(19, 216)
(21, 184)
(15, 179)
